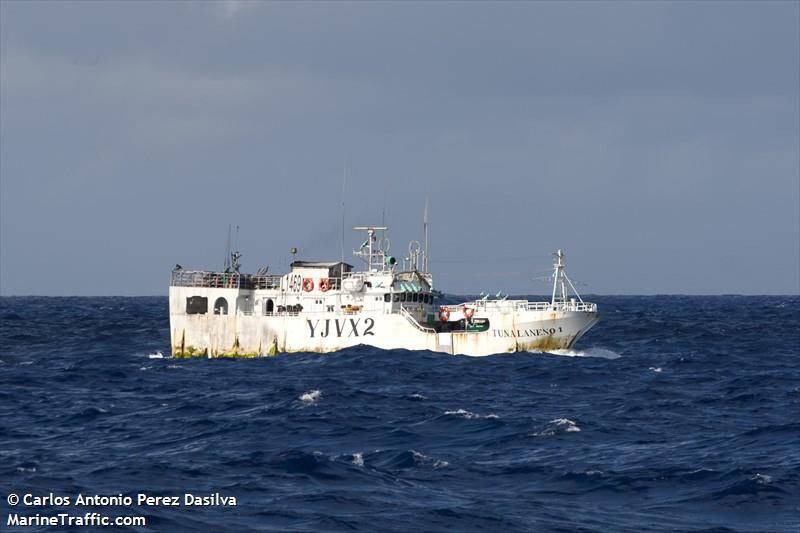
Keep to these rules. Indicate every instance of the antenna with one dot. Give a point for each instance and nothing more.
(383, 213)
(226, 265)
(425, 231)
(235, 255)
(372, 257)
(344, 180)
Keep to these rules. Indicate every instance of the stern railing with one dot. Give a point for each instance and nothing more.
(223, 280)
(525, 305)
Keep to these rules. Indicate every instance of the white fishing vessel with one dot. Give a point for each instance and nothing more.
(328, 306)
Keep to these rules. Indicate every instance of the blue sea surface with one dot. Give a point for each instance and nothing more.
(674, 413)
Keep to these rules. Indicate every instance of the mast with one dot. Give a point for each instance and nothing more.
(425, 232)
(372, 257)
(226, 265)
(558, 267)
(344, 179)
(561, 280)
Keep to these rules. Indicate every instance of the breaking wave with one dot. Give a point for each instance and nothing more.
(310, 397)
(461, 413)
(557, 426)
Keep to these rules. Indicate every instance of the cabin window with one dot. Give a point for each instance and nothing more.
(416, 297)
(196, 305)
(387, 297)
(269, 306)
(221, 306)
(397, 297)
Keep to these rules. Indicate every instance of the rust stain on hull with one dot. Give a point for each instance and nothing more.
(544, 344)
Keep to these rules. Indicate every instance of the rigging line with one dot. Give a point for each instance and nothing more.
(473, 274)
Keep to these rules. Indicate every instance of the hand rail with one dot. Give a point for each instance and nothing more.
(525, 305)
(223, 280)
(413, 321)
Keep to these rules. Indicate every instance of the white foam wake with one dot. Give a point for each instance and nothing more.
(589, 352)
(469, 415)
(557, 425)
(421, 459)
(157, 355)
(310, 397)
(568, 425)
(762, 479)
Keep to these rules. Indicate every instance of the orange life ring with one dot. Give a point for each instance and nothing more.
(308, 284)
(468, 312)
(444, 313)
(324, 284)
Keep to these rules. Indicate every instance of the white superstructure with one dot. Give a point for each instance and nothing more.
(328, 306)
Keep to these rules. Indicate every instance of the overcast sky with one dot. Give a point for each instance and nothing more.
(656, 142)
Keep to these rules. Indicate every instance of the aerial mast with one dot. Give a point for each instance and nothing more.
(372, 257)
(425, 232)
(344, 179)
(226, 265)
(561, 280)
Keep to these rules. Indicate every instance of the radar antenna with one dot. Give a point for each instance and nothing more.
(374, 253)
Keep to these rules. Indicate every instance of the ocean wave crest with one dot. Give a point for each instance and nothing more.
(557, 426)
(311, 397)
(469, 415)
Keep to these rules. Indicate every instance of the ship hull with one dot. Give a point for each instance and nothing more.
(254, 335)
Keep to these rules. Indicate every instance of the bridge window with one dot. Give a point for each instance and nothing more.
(387, 297)
(221, 306)
(196, 305)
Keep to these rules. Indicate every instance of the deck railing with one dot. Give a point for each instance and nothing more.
(223, 280)
(525, 305)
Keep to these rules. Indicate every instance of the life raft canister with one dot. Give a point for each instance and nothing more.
(468, 312)
(308, 284)
(444, 313)
(324, 284)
